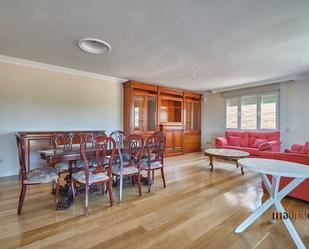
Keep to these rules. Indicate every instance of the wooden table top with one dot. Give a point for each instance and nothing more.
(275, 167)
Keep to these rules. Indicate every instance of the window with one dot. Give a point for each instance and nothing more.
(232, 111)
(249, 113)
(252, 112)
(269, 111)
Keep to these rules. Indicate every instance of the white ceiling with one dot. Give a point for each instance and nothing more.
(221, 43)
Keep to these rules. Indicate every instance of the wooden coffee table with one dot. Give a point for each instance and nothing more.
(231, 155)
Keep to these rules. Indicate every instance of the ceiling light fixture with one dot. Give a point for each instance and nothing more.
(94, 46)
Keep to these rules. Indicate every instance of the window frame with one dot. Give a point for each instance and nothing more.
(258, 113)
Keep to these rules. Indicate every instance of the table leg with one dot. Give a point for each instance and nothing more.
(66, 190)
(273, 194)
(287, 222)
(253, 217)
(211, 163)
(275, 198)
(241, 168)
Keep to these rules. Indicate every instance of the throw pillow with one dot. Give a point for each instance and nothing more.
(233, 141)
(306, 148)
(265, 147)
(258, 142)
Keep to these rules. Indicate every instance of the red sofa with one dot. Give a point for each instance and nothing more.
(254, 142)
(297, 156)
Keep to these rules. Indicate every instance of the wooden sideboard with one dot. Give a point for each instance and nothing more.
(34, 140)
(149, 108)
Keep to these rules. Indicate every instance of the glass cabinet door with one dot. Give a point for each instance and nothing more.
(139, 112)
(151, 113)
(188, 115)
(196, 113)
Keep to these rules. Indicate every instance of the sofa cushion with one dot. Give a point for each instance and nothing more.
(234, 141)
(244, 136)
(258, 142)
(267, 135)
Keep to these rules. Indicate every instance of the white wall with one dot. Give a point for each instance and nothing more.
(33, 99)
(212, 119)
(294, 115)
(294, 120)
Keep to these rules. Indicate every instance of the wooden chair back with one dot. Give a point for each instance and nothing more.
(105, 148)
(155, 145)
(118, 136)
(133, 145)
(65, 141)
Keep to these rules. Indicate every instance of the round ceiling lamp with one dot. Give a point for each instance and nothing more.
(94, 46)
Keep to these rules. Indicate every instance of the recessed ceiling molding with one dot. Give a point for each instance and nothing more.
(59, 69)
(254, 84)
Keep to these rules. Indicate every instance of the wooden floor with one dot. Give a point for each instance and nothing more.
(198, 209)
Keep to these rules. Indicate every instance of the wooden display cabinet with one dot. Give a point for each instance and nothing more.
(140, 108)
(149, 108)
(192, 132)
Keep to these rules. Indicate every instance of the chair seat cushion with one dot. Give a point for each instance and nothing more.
(125, 158)
(93, 177)
(62, 166)
(80, 164)
(153, 165)
(126, 170)
(152, 156)
(41, 175)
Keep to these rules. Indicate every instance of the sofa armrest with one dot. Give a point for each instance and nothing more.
(291, 157)
(297, 147)
(270, 146)
(220, 142)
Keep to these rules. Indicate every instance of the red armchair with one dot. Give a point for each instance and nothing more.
(292, 155)
(254, 142)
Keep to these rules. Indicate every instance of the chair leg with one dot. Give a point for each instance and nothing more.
(53, 191)
(21, 198)
(148, 179)
(163, 178)
(139, 184)
(57, 190)
(110, 192)
(120, 188)
(86, 199)
(103, 188)
(73, 189)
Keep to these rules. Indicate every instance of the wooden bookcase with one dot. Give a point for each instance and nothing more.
(149, 108)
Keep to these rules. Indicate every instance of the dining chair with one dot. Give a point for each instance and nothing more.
(104, 147)
(154, 150)
(132, 147)
(118, 136)
(33, 176)
(65, 142)
(89, 144)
